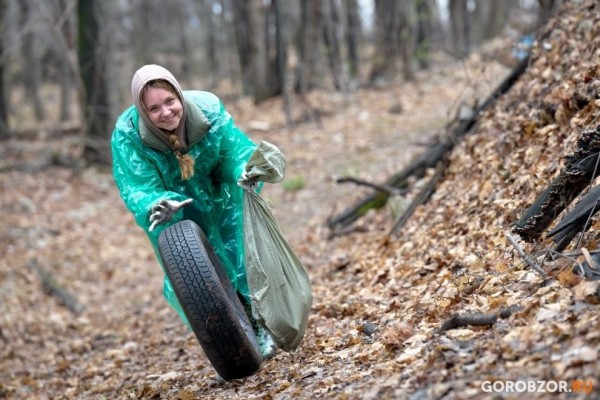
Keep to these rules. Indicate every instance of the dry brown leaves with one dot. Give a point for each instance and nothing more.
(372, 332)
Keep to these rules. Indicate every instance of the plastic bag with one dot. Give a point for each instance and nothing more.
(280, 289)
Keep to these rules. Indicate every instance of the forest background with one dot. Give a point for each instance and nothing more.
(344, 88)
(66, 65)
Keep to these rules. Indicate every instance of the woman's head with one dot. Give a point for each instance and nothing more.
(162, 105)
(155, 89)
(159, 101)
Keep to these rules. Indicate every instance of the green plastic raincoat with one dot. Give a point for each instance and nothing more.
(146, 174)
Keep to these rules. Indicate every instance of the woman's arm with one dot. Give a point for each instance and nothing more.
(234, 146)
(138, 177)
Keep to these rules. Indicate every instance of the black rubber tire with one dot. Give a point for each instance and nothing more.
(209, 301)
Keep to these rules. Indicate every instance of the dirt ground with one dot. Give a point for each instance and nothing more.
(372, 329)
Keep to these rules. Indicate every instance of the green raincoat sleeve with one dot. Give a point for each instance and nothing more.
(145, 175)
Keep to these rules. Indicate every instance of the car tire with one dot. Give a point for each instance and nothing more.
(209, 301)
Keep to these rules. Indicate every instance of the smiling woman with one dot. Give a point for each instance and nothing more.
(177, 155)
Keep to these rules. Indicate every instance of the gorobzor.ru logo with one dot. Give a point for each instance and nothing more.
(536, 386)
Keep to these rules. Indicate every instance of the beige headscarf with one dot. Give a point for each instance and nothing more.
(176, 141)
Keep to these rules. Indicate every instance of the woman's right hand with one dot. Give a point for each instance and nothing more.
(164, 210)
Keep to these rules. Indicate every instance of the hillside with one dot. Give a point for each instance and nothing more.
(378, 303)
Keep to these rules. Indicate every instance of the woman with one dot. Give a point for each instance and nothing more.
(178, 155)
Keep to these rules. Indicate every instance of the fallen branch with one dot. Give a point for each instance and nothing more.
(429, 159)
(477, 319)
(524, 256)
(390, 190)
(421, 198)
(53, 288)
(399, 181)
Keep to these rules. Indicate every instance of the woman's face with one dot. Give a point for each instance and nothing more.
(163, 107)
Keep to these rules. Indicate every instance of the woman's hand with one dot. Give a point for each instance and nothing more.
(164, 210)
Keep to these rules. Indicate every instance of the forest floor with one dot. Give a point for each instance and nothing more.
(378, 304)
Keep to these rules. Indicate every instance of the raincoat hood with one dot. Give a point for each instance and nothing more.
(147, 74)
(193, 125)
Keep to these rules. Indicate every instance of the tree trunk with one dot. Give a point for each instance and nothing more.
(281, 42)
(4, 134)
(480, 18)
(425, 35)
(31, 71)
(460, 27)
(547, 8)
(187, 64)
(259, 59)
(352, 38)
(66, 80)
(97, 128)
(242, 35)
(496, 19)
(407, 15)
(331, 35)
(229, 62)
(143, 30)
(210, 32)
(309, 45)
(62, 29)
(386, 40)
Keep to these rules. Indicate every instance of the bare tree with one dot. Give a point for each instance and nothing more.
(547, 8)
(3, 110)
(230, 64)
(242, 33)
(427, 30)
(395, 29)
(352, 37)
(407, 14)
(143, 28)
(386, 41)
(308, 45)
(61, 23)
(97, 116)
(32, 78)
(257, 30)
(187, 63)
(460, 25)
(65, 24)
(281, 45)
(261, 48)
(480, 17)
(209, 23)
(489, 19)
(332, 37)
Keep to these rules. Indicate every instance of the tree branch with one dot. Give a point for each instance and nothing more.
(53, 288)
(477, 319)
(524, 256)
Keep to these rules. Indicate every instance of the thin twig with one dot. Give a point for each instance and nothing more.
(524, 256)
(378, 186)
(588, 257)
(477, 319)
(589, 218)
(53, 288)
(420, 198)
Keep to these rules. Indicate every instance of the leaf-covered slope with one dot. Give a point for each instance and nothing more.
(453, 256)
(373, 332)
